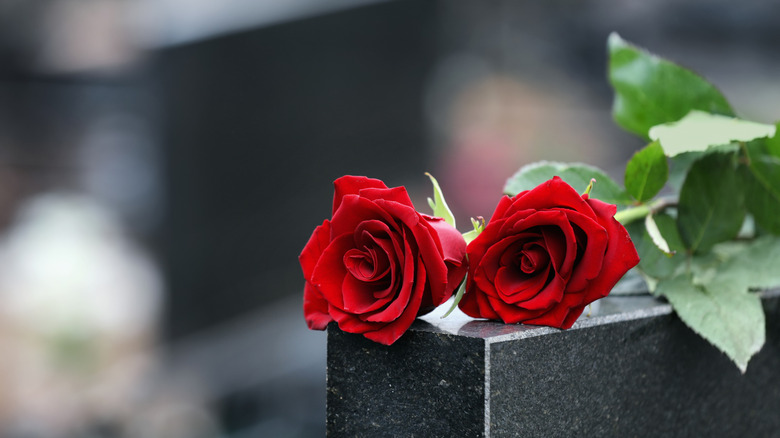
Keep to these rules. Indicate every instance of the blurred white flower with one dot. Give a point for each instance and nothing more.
(67, 266)
(79, 304)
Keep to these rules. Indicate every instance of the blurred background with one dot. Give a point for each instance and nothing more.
(163, 162)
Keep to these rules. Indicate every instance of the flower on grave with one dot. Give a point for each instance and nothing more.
(377, 263)
(544, 255)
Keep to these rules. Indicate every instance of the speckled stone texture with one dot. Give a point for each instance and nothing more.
(631, 369)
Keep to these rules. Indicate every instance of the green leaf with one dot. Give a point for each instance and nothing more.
(761, 178)
(698, 131)
(438, 204)
(575, 174)
(646, 172)
(773, 143)
(752, 264)
(729, 317)
(668, 228)
(650, 90)
(711, 207)
(679, 168)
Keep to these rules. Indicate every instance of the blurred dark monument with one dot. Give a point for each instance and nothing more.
(258, 125)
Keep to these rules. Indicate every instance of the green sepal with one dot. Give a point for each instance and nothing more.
(458, 297)
(479, 226)
(438, 204)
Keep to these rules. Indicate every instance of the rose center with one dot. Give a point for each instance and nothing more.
(533, 258)
(365, 264)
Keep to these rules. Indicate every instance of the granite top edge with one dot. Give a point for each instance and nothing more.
(609, 310)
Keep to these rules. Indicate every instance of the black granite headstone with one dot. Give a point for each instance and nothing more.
(630, 369)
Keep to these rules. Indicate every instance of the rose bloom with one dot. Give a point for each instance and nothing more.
(378, 263)
(544, 255)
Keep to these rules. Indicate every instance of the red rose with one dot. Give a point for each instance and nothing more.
(545, 255)
(378, 263)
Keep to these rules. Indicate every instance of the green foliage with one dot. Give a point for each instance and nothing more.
(646, 172)
(711, 207)
(731, 319)
(654, 264)
(711, 295)
(479, 226)
(575, 174)
(656, 236)
(458, 296)
(699, 131)
(438, 204)
(723, 168)
(761, 178)
(773, 144)
(680, 165)
(667, 225)
(650, 90)
(753, 264)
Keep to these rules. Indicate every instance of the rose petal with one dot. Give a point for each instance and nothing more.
(475, 304)
(427, 246)
(620, 255)
(503, 204)
(560, 240)
(385, 242)
(553, 194)
(452, 244)
(515, 287)
(328, 275)
(549, 296)
(315, 308)
(509, 313)
(400, 301)
(353, 211)
(559, 314)
(359, 296)
(311, 253)
(491, 260)
(590, 262)
(572, 316)
(350, 323)
(395, 194)
(351, 185)
(391, 332)
(482, 281)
